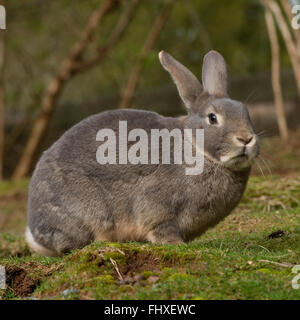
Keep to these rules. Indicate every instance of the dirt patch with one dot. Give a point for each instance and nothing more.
(130, 270)
(18, 280)
(132, 263)
(22, 280)
(137, 262)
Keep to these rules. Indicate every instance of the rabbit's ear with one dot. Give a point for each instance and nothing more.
(214, 74)
(188, 85)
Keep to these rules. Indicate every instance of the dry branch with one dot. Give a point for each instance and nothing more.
(288, 12)
(71, 66)
(288, 39)
(275, 53)
(115, 37)
(153, 34)
(56, 86)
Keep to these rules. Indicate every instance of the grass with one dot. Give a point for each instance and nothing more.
(235, 260)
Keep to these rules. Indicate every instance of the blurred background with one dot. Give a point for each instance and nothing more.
(61, 61)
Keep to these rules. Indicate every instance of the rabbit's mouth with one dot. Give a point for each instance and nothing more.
(237, 162)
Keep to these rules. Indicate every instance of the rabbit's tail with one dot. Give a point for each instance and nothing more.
(36, 247)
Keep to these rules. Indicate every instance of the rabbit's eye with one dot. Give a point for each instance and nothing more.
(212, 118)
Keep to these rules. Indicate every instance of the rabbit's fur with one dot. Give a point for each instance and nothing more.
(73, 200)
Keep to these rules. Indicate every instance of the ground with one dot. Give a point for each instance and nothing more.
(250, 255)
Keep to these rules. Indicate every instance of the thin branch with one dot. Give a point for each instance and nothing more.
(195, 19)
(153, 34)
(287, 37)
(116, 268)
(275, 53)
(116, 36)
(283, 264)
(288, 12)
(88, 34)
(64, 73)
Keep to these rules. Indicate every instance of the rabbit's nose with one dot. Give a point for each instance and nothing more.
(245, 140)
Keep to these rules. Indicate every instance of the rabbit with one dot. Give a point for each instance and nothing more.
(74, 201)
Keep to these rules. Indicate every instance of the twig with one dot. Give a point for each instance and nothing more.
(287, 37)
(153, 34)
(275, 55)
(287, 7)
(116, 268)
(283, 265)
(64, 73)
(116, 36)
(122, 252)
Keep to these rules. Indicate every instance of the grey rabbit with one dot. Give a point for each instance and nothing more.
(73, 200)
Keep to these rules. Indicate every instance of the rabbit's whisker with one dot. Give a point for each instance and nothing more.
(260, 168)
(250, 95)
(262, 133)
(265, 163)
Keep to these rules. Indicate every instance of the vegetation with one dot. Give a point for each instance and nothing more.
(42, 59)
(250, 255)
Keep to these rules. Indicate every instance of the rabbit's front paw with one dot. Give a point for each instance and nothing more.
(165, 234)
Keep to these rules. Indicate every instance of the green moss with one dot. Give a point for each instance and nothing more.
(180, 276)
(115, 255)
(114, 245)
(147, 274)
(105, 279)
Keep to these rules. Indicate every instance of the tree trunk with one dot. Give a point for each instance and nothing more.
(153, 34)
(65, 72)
(275, 53)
